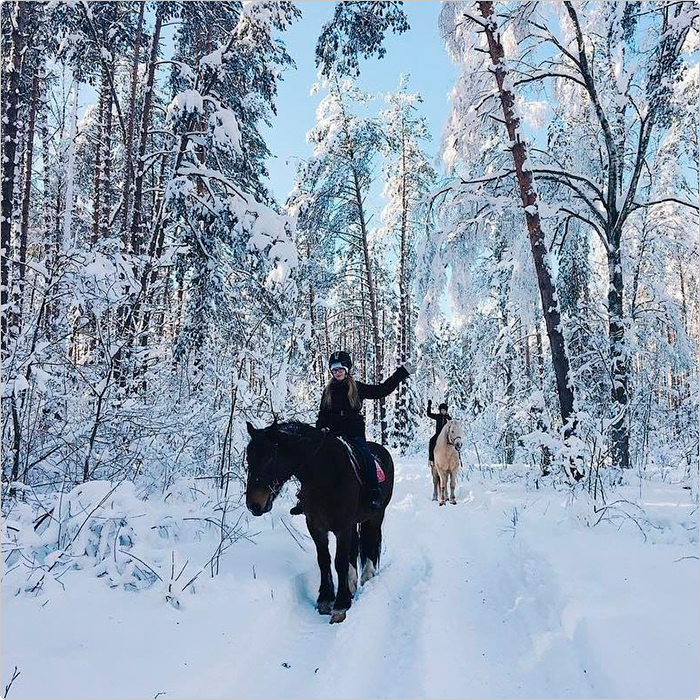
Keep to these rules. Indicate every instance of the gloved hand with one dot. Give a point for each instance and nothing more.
(430, 404)
(410, 367)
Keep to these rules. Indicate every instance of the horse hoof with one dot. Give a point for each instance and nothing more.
(435, 498)
(338, 616)
(442, 503)
(453, 502)
(325, 607)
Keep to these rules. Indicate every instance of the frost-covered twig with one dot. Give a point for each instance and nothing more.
(15, 675)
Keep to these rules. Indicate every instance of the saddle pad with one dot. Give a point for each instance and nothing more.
(381, 476)
(354, 461)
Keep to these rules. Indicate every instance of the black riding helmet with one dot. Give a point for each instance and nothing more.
(340, 358)
(441, 406)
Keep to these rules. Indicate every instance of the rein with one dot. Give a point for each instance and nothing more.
(459, 452)
(320, 444)
(276, 486)
(305, 460)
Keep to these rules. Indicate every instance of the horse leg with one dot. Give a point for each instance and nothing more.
(343, 600)
(352, 562)
(436, 480)
(453, 474)
(326, 592)
(443, 486)
(370, 546)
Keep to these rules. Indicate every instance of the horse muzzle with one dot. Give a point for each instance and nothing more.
(259, 501)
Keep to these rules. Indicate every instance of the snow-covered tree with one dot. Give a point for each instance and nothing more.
(356, 30)
(345, 146)
(408, 177)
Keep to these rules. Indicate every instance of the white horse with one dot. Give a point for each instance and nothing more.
(446, 463)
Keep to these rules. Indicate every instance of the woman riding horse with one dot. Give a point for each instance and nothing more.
(440, 420)
(340, 414)
(333, 502)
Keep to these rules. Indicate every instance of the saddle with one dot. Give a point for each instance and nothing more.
(355, 461)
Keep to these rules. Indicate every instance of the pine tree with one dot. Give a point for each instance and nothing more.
(408, 176)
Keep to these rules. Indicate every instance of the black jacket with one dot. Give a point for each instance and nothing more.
(439, 419)
(343, 419)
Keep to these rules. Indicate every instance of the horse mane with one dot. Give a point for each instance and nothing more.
(302, 432)
(296, 434)
(442, 437)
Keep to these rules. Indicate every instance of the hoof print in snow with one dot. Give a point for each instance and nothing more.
(337, 616)
(286, 665)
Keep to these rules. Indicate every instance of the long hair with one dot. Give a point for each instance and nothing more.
(353, 393)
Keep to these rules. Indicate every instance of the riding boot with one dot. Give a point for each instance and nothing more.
(376, 498)
(374, 490)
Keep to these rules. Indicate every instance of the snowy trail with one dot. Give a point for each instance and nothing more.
(470, 601)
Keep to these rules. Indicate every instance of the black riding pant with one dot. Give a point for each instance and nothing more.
(370, 469)
(431, 447)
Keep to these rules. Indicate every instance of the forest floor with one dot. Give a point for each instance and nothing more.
(511, 593)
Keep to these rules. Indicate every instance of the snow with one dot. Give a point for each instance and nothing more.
(511, 593)
(185, 103)
(41, 378)
(535, 113)
(213, 59)
(21, 384)
(226, 133)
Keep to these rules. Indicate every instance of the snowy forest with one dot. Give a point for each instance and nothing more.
(540, 274)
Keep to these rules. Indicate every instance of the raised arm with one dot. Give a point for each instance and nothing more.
(379, 391)
(429, 413)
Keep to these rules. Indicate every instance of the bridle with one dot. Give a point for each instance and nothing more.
(276, 486)
(459, 452)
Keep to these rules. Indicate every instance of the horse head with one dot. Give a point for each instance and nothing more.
(269, 467)
(455, 434)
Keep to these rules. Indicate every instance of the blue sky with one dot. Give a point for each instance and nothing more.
(419, 52)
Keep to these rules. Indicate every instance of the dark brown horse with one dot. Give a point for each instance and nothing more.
(333, 501)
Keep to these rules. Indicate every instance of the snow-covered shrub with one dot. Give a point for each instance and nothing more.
(116, 533)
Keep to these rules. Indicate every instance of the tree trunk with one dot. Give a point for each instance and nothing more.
(107, 186)
(129, 142)
(10, 101)
(67, 237)
(401, 407)
(97, 174)
(619, 362)
(128, 317)
(528, 194)
(137, 217)
(374, 314)
(18, 277)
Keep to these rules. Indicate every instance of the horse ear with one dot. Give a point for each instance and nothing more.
(251, 429)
